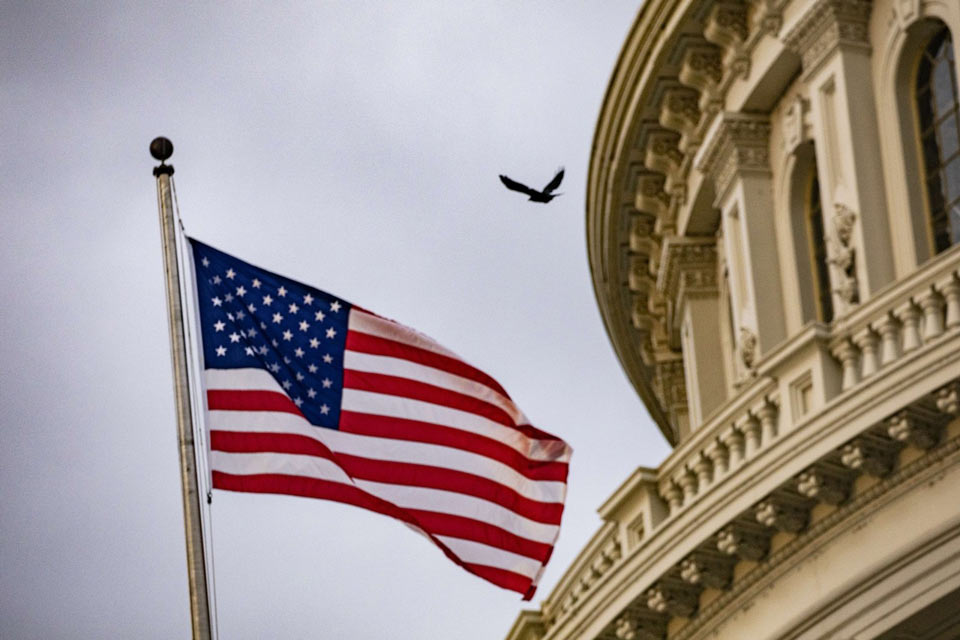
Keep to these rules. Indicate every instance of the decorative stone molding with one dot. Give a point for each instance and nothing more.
(825, 483)
(673, 597)
(708, 569)
(640, 625)
(748, 348)
(671, 386)
(727, 26)
(870, 454)
(702, 69)
(661, 152)
(688, 266)
(680, 111)
(735, 143)
(783, 512)
(842, 255)
(796, 123)
(917, 426)
(826, 25)
(948, 399)
(746, 541)
(650, 195)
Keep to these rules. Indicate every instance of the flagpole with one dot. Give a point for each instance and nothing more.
(162, 149)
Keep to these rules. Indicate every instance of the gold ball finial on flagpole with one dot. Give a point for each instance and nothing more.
(161, 148)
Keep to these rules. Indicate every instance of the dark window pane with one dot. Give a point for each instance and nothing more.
(925, 106)
(949, 142)
(943, 86)
(923, 72)
(931, 153)
(937, 108)
(821, 272)
(935, 192)
(951, 179)
(954, 222)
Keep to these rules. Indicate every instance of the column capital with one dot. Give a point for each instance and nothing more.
(735, 143)
(826, 25)
(688, 267)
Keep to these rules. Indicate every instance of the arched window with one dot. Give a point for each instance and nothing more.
(818, 250)
(937, 106)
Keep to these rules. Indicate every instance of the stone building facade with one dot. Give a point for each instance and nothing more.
(773, 225)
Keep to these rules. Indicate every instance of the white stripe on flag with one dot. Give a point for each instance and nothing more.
(402, 368)
(407, 408)
(389, 449)
(420, 498)
(383, 328)
(478, 553)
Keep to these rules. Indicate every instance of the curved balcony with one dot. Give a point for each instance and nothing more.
(773, 475)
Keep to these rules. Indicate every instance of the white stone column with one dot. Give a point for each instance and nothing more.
(831, 38)
(736, 154)
(688, 279)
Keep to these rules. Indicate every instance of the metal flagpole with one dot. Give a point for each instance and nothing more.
(162, 149)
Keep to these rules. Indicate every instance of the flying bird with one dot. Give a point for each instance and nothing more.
(535, 196)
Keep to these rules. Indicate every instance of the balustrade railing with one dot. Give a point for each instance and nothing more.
(913, 313)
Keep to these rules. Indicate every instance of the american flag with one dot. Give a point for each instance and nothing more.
(308, 395)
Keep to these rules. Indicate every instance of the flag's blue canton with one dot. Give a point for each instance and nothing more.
(250, 317)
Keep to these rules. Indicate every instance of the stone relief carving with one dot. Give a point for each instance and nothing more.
(842, 254)
(748, 348)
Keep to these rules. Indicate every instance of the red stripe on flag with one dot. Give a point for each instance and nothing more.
(503, 578)
(416, 431)
(366, 343)
(406, 388)
(422, 475)
(390, 472)
(326, 490)
(248, 400)
(443, 524)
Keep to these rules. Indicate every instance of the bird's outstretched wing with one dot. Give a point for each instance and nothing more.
(553, 184)
(513, 185)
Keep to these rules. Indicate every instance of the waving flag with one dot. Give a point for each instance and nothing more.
(309, 395)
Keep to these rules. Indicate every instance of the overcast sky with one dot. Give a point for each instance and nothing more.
(353, 146)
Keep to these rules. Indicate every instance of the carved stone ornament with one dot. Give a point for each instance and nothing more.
(674, 598)
(709, 570)
(744, 542)
(948, 399)
(870, 454)
(824, 485)
(826, 25)
(637, 626)
(782, 514)
(842, 255)
(915, 426)
(748, 348)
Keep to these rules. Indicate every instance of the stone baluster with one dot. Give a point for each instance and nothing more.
(688, 483)
(910, 317)
(768, 413)
(672, 495)
(848, 355)
(703, 467)
(932, 305)
(867, 341)
(732, 440)
(719, 457)
(751, 434)
(889, 329)
(951, 293)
